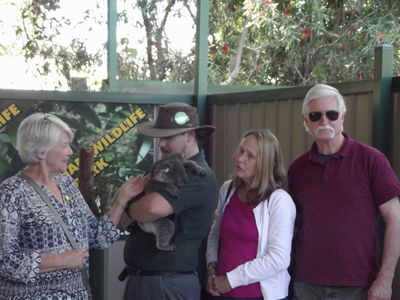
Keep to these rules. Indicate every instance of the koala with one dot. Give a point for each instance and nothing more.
(168, 174)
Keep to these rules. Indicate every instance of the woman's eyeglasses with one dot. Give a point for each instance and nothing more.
(315, 116)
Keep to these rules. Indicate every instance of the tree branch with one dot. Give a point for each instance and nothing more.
(235, 62)
(147, 25)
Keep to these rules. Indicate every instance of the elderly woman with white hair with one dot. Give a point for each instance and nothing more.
(46, 226)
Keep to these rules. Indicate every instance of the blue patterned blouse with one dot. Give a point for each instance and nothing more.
(28, 228)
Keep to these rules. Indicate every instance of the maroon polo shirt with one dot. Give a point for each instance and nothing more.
(336, 239)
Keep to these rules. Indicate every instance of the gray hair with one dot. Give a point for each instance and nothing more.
(323, 91)
(38, 133)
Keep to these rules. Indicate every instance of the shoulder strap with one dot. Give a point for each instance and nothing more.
(47, 200)
(228, 191)
(74, 244)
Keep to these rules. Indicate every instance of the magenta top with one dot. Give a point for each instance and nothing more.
(238, 243)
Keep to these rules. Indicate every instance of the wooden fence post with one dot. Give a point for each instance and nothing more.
(96, 256)
(382, 99)
(383, 120)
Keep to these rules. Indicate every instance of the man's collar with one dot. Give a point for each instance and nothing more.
(344, 151)
(197, 156)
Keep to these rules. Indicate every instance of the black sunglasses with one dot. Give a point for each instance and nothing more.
(315, 116)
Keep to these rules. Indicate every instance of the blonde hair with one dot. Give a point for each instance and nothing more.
(38, 133)
(270, 171)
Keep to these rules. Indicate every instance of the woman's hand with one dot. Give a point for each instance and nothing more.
(131, 188)
(210, 279)
(75, 258)
(72, 259)
(221, 284)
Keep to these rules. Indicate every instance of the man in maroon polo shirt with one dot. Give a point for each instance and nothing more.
(340, 186)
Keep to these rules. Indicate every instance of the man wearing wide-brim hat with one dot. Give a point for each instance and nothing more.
(157, 274)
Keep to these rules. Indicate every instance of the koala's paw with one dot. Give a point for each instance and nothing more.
(163, 230)
(173, 190)
(166, 247)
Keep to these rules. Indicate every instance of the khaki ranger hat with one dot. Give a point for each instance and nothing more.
(175, 118)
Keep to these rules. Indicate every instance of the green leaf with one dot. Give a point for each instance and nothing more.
(73, 123)
(86, 112)
(4, 167)
(5, 138)
(144, 149)
(133, 52)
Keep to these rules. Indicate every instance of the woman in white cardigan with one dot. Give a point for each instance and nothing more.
(249, 244)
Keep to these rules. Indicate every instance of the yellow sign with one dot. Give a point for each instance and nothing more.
(107, 140)
(8, 114)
